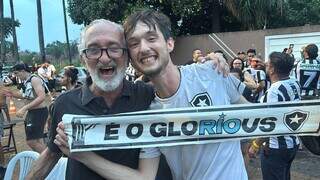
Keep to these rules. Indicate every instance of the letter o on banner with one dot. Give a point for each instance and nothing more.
(134, 135)
(193, 130)
(232, 126)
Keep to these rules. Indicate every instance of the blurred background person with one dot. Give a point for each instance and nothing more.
(256, 70)
(308, 73)
(33, 92)
(50, 73)
(42, 72)
(247, 78)
(197, 57)
(242, 55)
(70, 78)
(278, 152)
(251, 53)
(244, 90)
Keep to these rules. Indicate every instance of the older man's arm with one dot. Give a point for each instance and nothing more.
(43, 165)
(109, 170)
(147, 170)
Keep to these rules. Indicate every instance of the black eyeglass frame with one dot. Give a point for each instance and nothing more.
(107, 50)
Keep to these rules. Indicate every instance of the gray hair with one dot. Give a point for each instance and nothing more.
(82, 44)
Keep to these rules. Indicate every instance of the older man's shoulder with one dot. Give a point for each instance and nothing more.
(69, 95)
(140, 86)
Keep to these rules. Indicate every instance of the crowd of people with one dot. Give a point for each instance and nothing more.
(33, 89)
(153, 81)
(280, 78)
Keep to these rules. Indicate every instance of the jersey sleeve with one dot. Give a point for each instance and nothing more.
(233, 86)
(147, 153)
(272, 96)
(261, 76)
(203, 71)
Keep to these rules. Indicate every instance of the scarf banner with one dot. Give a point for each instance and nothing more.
(182, 126)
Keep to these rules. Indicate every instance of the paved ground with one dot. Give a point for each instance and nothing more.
(305, 167)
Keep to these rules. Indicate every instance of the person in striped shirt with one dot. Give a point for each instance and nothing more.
(308, 73)
(259, 76)
(278, 152)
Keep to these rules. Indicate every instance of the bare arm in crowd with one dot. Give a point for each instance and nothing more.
(43, 165)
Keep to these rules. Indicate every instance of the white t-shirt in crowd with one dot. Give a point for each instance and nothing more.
(42, 72)
(200, 86)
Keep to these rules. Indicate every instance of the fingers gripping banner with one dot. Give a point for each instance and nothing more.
(182, 126)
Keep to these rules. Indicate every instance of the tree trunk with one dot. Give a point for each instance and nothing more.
(2, 46)
(216, 26)
(14, 35)
(66, 30)
(40, 32)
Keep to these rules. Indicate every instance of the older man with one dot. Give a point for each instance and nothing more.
(103, 51)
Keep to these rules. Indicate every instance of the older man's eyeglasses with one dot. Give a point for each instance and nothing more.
(96, 53)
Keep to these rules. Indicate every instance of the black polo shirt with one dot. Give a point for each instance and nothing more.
(81, 101)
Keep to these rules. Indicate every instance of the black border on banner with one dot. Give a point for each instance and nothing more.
(178, 141)
(197, 110)
(211, 109)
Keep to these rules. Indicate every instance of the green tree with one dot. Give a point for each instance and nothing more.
(8, 30)
(30, 57)
(205, 16)
(59, 50)
(301, 12)
(55, 49)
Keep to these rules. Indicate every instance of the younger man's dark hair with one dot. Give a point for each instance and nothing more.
(281, 62)
(152, 19)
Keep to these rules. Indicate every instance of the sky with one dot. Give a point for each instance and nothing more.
(52, 21)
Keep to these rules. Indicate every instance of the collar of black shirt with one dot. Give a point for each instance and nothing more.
(88, 96)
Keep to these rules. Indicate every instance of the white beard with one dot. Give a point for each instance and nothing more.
(109, 85)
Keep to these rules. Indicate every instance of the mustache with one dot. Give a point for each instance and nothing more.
(110, 64)
(145, 54)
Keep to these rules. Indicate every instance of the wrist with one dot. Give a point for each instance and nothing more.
(255, 145)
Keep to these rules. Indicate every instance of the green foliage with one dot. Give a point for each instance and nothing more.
(205, 16)
(59, 50)
(83, 12)
(30, 57)
(302, 12)
(7, 26)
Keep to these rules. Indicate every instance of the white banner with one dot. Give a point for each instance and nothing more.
(181, 126)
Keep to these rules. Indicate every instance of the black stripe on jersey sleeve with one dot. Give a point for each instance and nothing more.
(265, 98)
(258, 76)
(280, 98)
(284, 92)
(295, 91)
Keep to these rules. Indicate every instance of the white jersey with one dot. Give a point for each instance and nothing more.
(284, 90)
(201, 86)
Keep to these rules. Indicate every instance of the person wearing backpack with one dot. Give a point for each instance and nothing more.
(34, 94)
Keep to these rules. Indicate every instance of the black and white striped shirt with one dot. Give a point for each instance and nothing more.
(283, 90)
(258, 76)
(308, 74)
